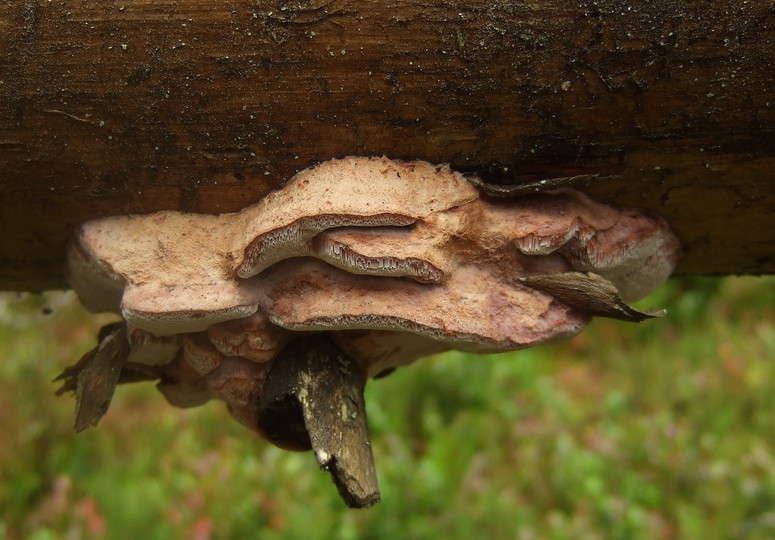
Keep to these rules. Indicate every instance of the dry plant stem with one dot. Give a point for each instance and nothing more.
(313, 398)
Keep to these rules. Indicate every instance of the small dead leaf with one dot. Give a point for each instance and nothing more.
(588, 293)
(99, 375)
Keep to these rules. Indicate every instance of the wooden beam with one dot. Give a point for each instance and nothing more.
(206, 105)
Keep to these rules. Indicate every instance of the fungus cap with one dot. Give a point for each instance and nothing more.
(370, 245)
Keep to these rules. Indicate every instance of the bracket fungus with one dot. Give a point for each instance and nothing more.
(354, 267)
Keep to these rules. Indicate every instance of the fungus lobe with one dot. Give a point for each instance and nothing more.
(386, 261)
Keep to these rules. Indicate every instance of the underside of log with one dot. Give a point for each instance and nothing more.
(207, 105)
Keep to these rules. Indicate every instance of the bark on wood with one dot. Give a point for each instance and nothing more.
(313, 399)
(206, 105)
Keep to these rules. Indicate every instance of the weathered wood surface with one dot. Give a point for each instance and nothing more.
(312, 399)
(206, 105)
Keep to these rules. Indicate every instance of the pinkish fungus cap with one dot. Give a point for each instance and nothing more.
(396, 260)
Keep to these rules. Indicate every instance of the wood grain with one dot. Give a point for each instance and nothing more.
(206, 105)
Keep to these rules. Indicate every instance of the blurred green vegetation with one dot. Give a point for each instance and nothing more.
(660, 430)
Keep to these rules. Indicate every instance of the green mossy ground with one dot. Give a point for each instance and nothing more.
(660, 430)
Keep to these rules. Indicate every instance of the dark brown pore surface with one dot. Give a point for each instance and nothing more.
(206, 105)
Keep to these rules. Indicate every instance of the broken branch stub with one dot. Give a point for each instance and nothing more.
(383, 261)
(313, 399)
